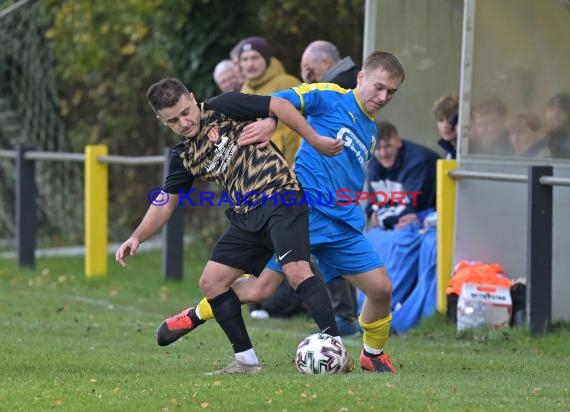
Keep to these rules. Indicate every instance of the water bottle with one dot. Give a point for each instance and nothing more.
(470, 314)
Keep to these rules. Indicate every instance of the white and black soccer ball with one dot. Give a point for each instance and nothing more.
(320, 354)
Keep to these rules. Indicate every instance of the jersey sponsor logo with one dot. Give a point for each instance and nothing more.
(354, 145)
(223, 152)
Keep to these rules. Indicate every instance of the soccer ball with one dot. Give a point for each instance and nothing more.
(320, 354)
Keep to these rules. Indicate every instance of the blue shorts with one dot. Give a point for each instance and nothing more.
(340, 249)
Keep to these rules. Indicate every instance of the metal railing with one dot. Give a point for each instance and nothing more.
(505, 177)
(540, 207)
(80, 157)
(469, 174)
(96, 184)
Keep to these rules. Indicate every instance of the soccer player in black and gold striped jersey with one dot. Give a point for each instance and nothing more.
(335, 227)
(260, 225)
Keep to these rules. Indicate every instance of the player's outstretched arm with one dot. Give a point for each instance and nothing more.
(289, 115)
(155, 217)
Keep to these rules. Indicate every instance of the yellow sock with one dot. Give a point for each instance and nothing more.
(376, 333)
(205, 310)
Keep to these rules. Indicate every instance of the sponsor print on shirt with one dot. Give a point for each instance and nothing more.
(354, 145)
(223, 152)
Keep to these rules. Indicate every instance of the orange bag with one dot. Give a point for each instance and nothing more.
(478, 273)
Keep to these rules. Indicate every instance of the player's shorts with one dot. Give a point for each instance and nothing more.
(340, 249)
(254, 237)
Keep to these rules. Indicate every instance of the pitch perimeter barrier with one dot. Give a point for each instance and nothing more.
(539, 219)
(539, 237)
(96, 161)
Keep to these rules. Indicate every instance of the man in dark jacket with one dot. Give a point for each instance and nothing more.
(402, 177)
(321, 63)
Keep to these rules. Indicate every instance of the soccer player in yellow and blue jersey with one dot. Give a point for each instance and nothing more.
(336, 220)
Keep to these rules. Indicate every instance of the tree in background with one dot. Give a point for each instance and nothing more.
(107, 54)
(290, 25)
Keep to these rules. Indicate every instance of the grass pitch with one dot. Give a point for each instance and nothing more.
(76, 344)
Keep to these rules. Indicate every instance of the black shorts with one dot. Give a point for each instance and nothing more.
(254, 237)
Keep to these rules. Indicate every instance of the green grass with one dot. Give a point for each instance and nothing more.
(74, 344)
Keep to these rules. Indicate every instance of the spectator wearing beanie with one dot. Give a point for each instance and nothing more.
(265, 75)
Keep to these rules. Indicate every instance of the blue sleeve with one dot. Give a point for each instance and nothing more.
(291, 96)
(309, 99)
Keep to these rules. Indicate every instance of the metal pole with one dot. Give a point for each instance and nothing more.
(173, 238)
(465, 86)
(539, 280)
(26, 209)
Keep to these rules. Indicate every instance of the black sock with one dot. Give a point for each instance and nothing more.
(194, 318)
(316, 298)
(226, 308)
